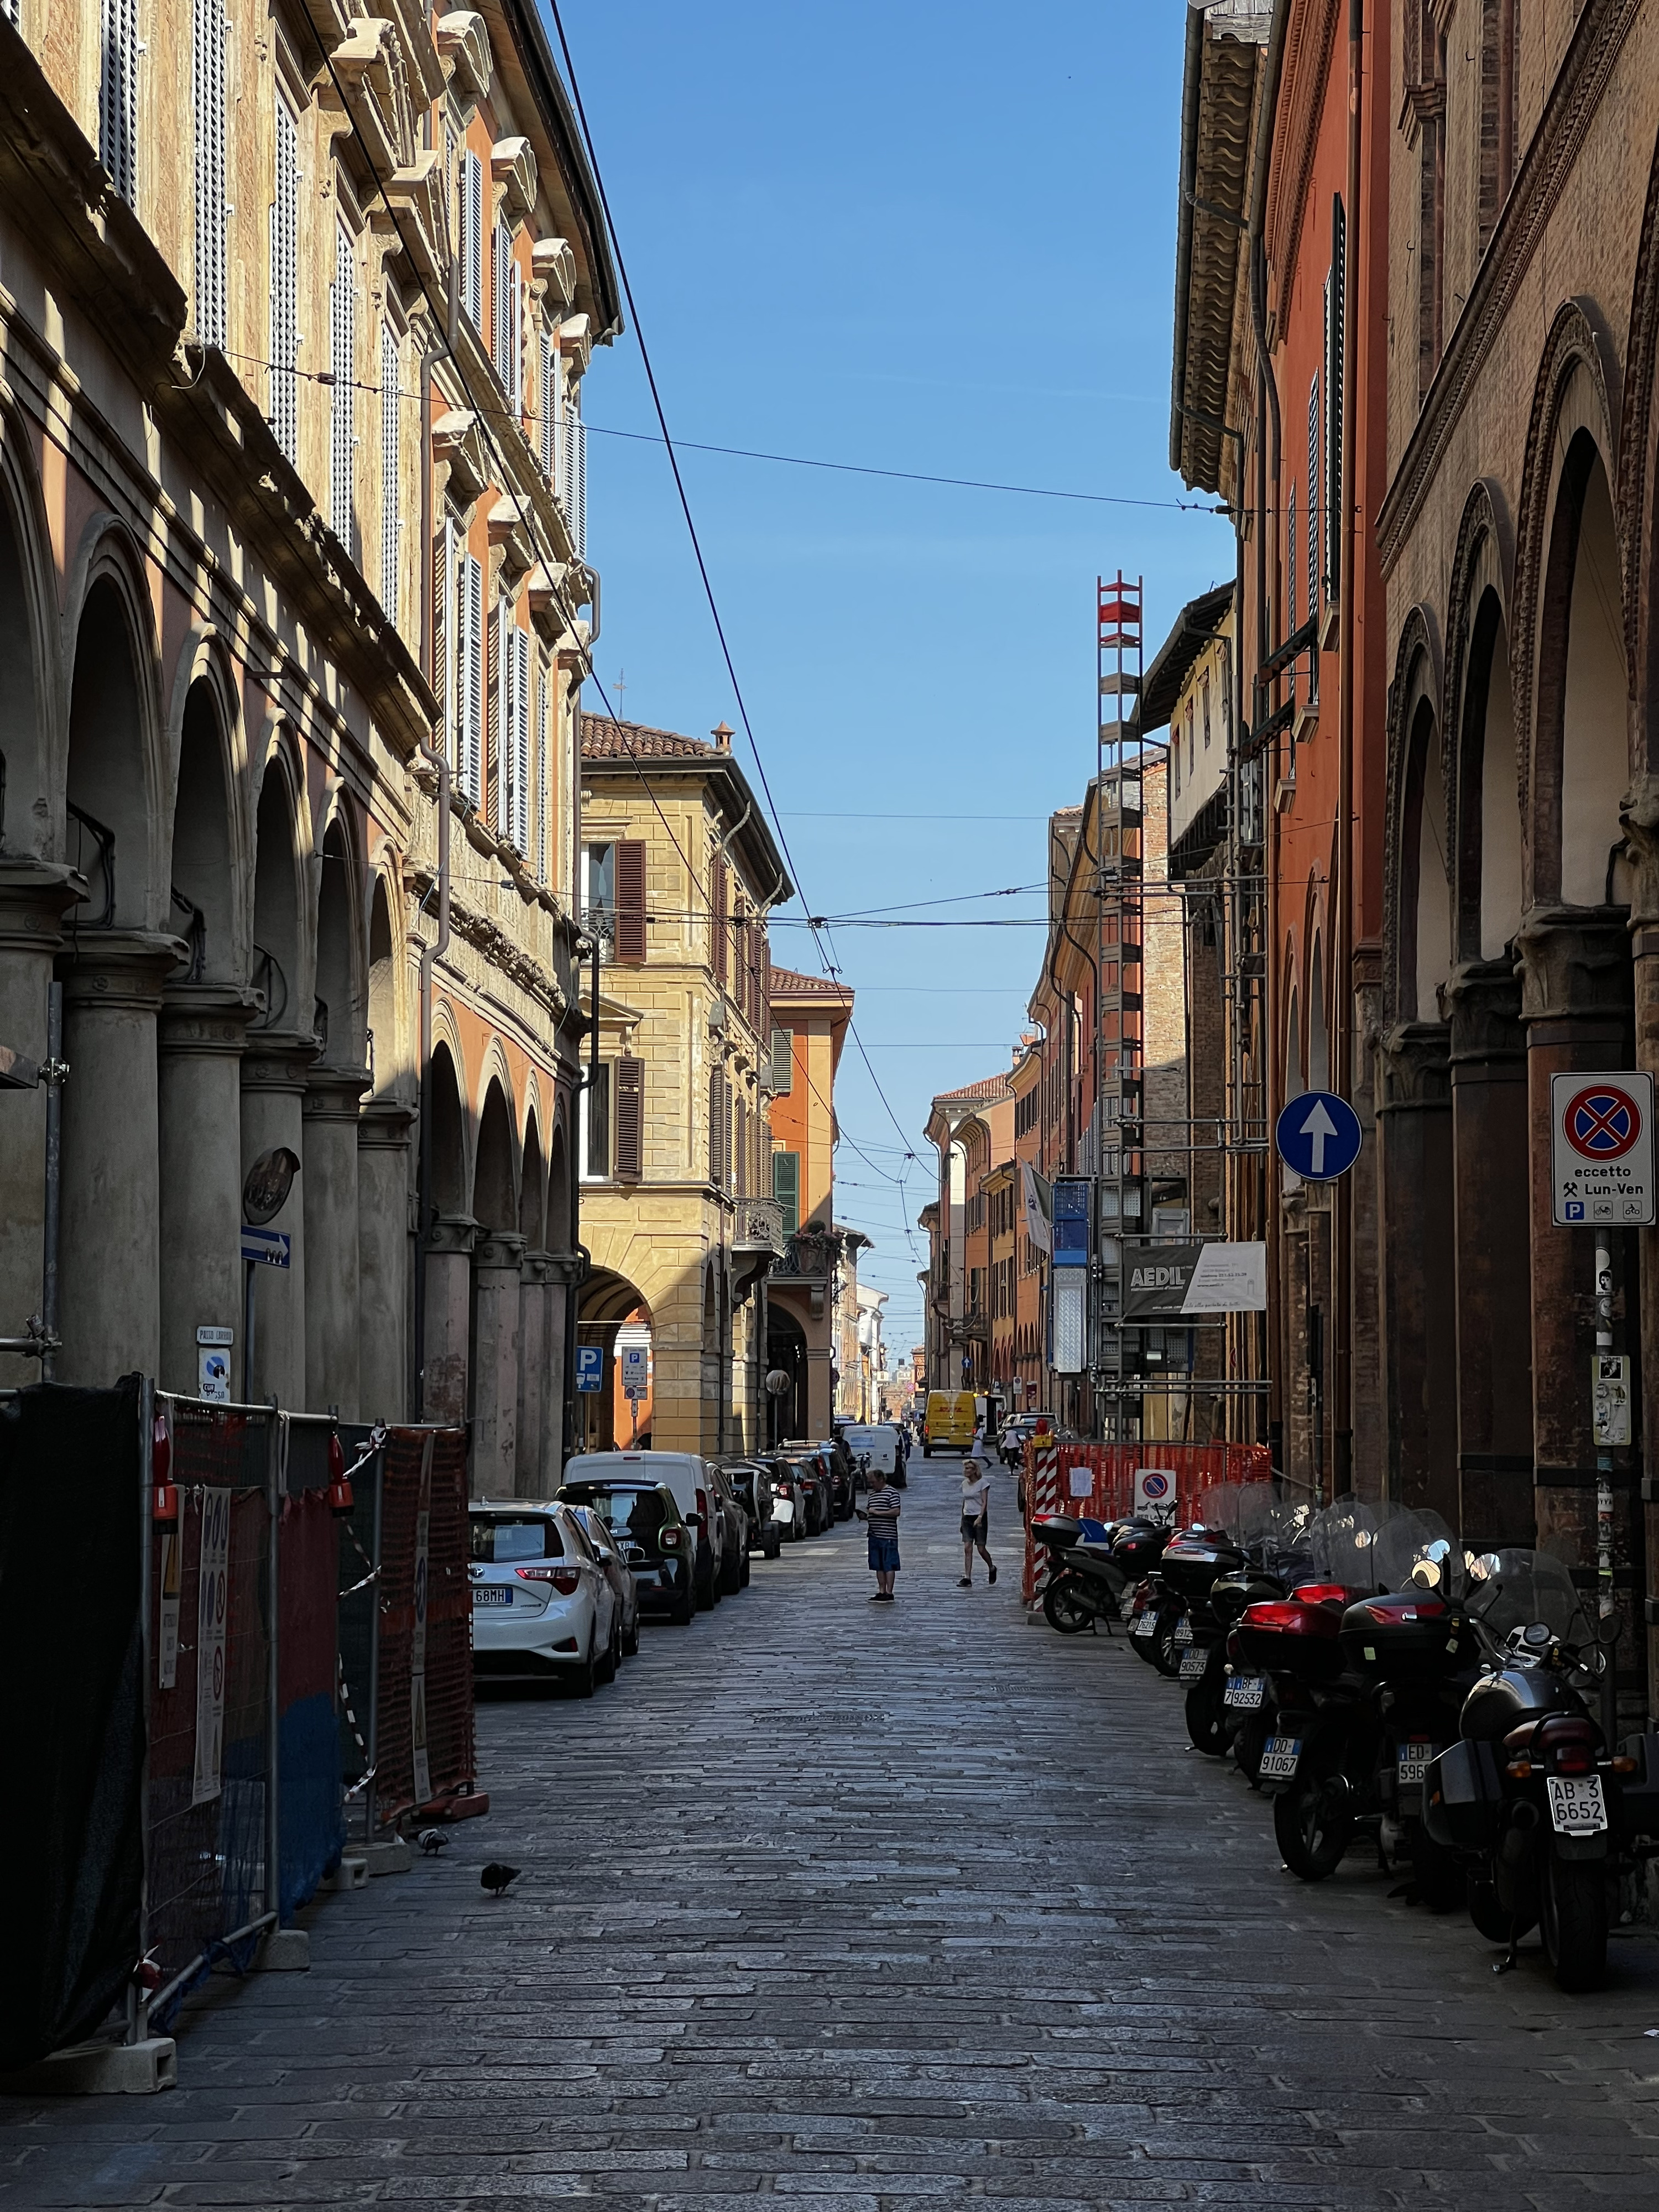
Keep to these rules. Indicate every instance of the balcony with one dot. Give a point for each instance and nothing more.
(808, 1257)
(759, 1228)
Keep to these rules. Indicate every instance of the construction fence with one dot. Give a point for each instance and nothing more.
(190, 1743)
(1105, 1482)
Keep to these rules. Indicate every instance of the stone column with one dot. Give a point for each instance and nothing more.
(1575, 967)
(1489, 1178)
(1414, 1152)
(562, 1269)
(275, 1069)
(34, 895)
(110, 1261)
(497, 1261)
(535, 1295)
(200, 1040)
(1368, 1402)
(383, 1276)
(448, 1318)
(333, 1101)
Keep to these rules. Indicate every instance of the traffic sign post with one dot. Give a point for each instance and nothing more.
(634, 1369)
(590, 1366)
(1318, 1135)
(1602, 1150)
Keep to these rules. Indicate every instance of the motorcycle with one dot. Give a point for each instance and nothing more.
(1219, 1702)
(1531, 1799)
(1094, 1563)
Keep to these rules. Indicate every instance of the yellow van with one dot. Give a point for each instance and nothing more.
(951, 1419)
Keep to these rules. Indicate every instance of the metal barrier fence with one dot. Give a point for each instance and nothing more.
(1098, 1482)
(425, 1757)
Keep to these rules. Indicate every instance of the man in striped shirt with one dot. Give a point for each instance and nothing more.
(880, 1509)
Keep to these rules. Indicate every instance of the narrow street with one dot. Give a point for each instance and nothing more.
(878, 1907)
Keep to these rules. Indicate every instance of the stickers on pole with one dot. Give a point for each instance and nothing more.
(1602, 1150)
(212, 1607)
(1610, 1398)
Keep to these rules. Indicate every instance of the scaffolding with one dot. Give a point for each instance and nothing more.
(1118, 1161)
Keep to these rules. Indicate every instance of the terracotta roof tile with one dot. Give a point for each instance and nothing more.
(989, 1086)
(789, 983)
(605, 740)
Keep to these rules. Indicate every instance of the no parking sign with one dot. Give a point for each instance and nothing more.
(1155, 1492)
(1601, 1150)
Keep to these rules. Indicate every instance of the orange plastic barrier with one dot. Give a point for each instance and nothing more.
(1055, 1475)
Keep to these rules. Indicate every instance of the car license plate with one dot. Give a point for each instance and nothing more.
(491, 1593)
(1194, 1661)
(1184, 1630)
(1146, 1624)
(1411, 1764)
(1244, 1692)
(1278, 1758)
(1577, 1805)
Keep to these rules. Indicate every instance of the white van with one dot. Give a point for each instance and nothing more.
(880, 1441)
(684, 1473)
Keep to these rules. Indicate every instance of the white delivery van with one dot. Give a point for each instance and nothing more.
(880, 1441)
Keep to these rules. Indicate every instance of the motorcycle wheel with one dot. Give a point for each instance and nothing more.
(1206, 1717)
(1163, 1650)
(1141, 1645)
(1064, 1608)
(1440, 1879)
(1573, 1920)
(1313, 1827)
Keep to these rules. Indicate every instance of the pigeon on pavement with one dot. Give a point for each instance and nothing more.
(432, 1841)
(495, 1878)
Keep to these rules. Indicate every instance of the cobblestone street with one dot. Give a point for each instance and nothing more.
(880, 1907)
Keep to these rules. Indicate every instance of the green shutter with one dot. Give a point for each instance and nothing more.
(786, 1188)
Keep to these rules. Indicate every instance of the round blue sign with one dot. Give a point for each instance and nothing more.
(1318, 1134)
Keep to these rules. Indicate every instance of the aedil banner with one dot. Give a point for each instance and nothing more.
(1171, 1282)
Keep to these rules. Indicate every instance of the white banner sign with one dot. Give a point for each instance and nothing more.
(167, 1639)
(212, 1608)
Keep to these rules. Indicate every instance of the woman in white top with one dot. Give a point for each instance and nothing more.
(975, 1520)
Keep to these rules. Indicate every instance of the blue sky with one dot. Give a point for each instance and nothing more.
(918, 239)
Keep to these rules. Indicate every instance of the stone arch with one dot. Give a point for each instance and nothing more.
(385, 1033)
(532, 1191)
(448, 1193)
(1416, 680)
(1637, 500)
(1319, 1021)
(557, 1230)
(112, 781)
(1424, 908)
(340, 992)
(206, 869)
(494, 1203)
(1577, 389)
(277, 950)
(30, 715)
(1295, 1059)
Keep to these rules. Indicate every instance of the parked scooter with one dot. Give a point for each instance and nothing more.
(1093, 1565)
(1531, 1798)
(1220, 1703)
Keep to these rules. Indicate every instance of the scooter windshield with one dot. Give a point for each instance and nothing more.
(1406, 1537)
(1527, 1586)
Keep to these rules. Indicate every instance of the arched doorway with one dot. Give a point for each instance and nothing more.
(615, 1317)
(497, 1262)
(448, 1233)
(384, 1254)
(114, 970)
(786, 1354)
(281, 1052)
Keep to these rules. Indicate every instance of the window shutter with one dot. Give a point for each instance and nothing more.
(630, 1120)
(515, 342)
(392, 523)
(1292, 567)
(740, 1161)
(284, 238)
(717, 932)
(541, 779)
(470, 688)
(630, 901)
(716, 1129)
(501, 304)
(443, 571)
(342, 361)
(765, 1023)
(1314, 427)
(596, 1124)
(575, 471)
(118, 97)
(786, 1188)
(208, 69)
(1335, 294)
(783, 1059)
(471, 240)
(519, 755)
(548, 358)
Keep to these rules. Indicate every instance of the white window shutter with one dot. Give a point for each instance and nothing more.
(499, 306)
(1313, 497)
(392, 523)
(117, 96)
(520, 831)
(541, 776)
(470, 679)
(548, 358)
(472, 237)
(575, 507)
(284, 238)
(208, 88)
(342, 361)
(515, 342)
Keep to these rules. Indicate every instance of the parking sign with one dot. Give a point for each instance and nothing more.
(590, 1366)
(634, 1361)
(1601, 1150)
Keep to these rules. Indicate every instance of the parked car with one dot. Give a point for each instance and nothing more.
(733, 1518)
(875, 1448)
(655, 1540)
(819, 1494)
(755, 1487)
(604, 1548)
(543, 1609)
(686, 1475)
(841, 1469)
(789, 1487)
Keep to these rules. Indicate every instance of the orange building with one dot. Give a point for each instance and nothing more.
(809, 1018)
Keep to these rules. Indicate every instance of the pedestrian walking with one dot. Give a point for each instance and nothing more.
(975, 1521)
(880, 1509)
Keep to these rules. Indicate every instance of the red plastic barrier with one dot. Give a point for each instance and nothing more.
(1109, 1493)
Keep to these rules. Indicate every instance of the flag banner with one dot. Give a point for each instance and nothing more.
(1039, 1209)
(1171, 1282)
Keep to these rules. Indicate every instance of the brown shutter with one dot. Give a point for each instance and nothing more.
(716, 1128)
(630, 1120)
(717, 910)
(630, 901)
(440, 632)
(763, 1020)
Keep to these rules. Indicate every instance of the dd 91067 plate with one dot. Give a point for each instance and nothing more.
(1278, 1758)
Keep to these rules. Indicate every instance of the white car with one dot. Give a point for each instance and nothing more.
(542, 1608)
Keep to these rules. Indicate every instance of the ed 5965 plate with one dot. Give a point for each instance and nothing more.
(1411, 1762)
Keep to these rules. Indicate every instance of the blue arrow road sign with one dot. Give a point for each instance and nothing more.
(590, 1366)
(270, 1248)
(1318, 1135)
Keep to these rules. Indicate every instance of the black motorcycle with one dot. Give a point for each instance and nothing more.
(1094, 1563)
(1531, 1798)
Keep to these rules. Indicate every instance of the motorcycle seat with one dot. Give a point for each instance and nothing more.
(1549, 1729)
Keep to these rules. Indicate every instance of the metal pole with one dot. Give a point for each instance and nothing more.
(274, 1442)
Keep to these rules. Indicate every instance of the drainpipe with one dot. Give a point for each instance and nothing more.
(1342, 1216)
(582, 1086)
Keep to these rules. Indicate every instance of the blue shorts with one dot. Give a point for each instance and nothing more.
(883, 1554)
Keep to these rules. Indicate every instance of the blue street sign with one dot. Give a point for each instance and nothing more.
(269, 1247)
(1318, 1135)
(590, 1366)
